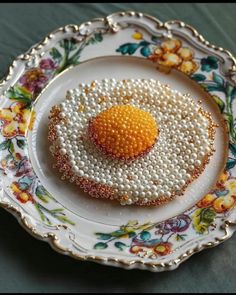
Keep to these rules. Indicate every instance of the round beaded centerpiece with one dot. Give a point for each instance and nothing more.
(113, 128)
(136, 141)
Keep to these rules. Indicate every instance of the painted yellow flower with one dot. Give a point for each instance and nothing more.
(171, 54)
(228, 201)
(223, 204)
(16, 120)
(10, 163)
(171, 45)
(160, 249)
(158, 52)
(32, 120)
(137, 35)
(206, 201)
(223, 177)
(170, 60)
(185, 53)
(225, 186)
(22, 195)
(143, 251)
(188, 67)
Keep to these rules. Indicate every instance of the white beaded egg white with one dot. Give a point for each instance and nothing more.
(165, 171)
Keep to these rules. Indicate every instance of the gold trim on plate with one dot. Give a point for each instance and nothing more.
(52, 238)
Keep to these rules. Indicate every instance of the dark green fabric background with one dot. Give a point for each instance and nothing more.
(29, 265)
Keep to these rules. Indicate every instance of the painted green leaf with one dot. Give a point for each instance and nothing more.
(145, 51)
(67, 44)
(98, 37)
(55, 54)
(24, 100)
(230, 121)
(20, 94)
(102, 236)
(64, 219)
(132, 234)
(61, 43)
(11, 93)
(57, 210)
(233, 93)
(120, 245)
(211, 88)
(21, 143)
(43, 198)
(11, 147)
(23, 91)
(145, 236)
(230, 163)
(72, 44)
(180, 237)
(4, 145)
(205, 68)
(218, 79)
(219, 102)
(9, 157)
(202, 219)
(119, 233)
(232, 148)
(229, 118)
(100, 246)
(90, 41)
(128, 48)
(208, 215)
(144, 43)
(41, 190)
(42, 194)
(131, 223)
(209, 63)
(229, 89)
(212, 59)
(41, 214)
(198, 77)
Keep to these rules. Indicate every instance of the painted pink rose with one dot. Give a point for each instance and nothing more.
(47, 64)
(34, 80)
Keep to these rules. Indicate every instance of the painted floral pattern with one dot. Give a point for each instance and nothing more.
(167, 54)
(157, 239)
(18, 118)
(171, 53)
(33, 80)
(149, 240)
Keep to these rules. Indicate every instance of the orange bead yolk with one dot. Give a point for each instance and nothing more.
(124, 132)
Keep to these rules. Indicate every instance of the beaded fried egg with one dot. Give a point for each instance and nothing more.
(136, 141)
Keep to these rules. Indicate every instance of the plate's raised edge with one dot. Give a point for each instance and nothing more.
(54, 242)
(111, 22)
(53, 239)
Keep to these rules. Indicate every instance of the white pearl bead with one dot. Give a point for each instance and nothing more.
(63, 151)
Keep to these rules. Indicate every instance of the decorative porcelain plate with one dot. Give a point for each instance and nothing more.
(122, 46)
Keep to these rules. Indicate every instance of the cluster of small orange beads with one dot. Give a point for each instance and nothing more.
(124, 131)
